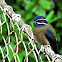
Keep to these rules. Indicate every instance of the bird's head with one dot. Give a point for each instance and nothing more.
(40, 21)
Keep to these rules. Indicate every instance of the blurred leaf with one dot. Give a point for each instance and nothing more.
(28, 16)
(61, 50)
(18, 1)
(54, 19)
(29, 5)
(32, 55)
(43, 57)
(59, 3)
(38, 46)
(21, 12)
(0, 16)
(39, 11)
(59, 14)
(21, 55)
(10, 51)
(26, 1)
(58, 37)
(10, 55)
(31, 23)
(59, 25)
(0, 38)
(49, 16)
(46, 4)
(13, 39)
(12, 44)
(24, 19)
(15, 7)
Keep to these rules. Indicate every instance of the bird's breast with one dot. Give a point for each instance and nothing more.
(37, 30)
(39, 33)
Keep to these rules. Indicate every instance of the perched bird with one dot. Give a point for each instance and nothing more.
(44, 33)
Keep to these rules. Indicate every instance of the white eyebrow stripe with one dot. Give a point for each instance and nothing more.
(41, 19)
(40, 23)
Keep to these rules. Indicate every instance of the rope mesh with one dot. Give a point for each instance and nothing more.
(5, 51)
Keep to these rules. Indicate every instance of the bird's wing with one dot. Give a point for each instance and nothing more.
(51, 37)
(51, 30)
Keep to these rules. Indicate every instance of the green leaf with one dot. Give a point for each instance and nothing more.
(15, 7)
(13, 39)
(59, 4)
(0, 15)
(58, 24)
(10, 55)
(60, 50)
(58, 37)
(28, 16)
(21, 55)
(49, 16)
(38, 46)
(32, 55)
(21, 12)
(1, 38)
(31, 23)
(18, 1)
(46, 4)
(29, 5)
(39, 11)
(54, 19)
(59, 14)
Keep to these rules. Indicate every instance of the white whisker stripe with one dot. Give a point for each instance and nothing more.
(41, 23)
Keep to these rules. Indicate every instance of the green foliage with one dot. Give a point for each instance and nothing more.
(18, 1)
(21, 55)
(28, 9)
(39, 11)
(46, 4)
(49, 16)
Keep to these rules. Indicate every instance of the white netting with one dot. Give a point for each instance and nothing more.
(7, 44)
(15, 19)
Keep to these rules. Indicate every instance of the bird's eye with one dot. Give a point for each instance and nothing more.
(42, 21)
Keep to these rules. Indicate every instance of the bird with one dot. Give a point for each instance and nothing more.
(44, 33)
